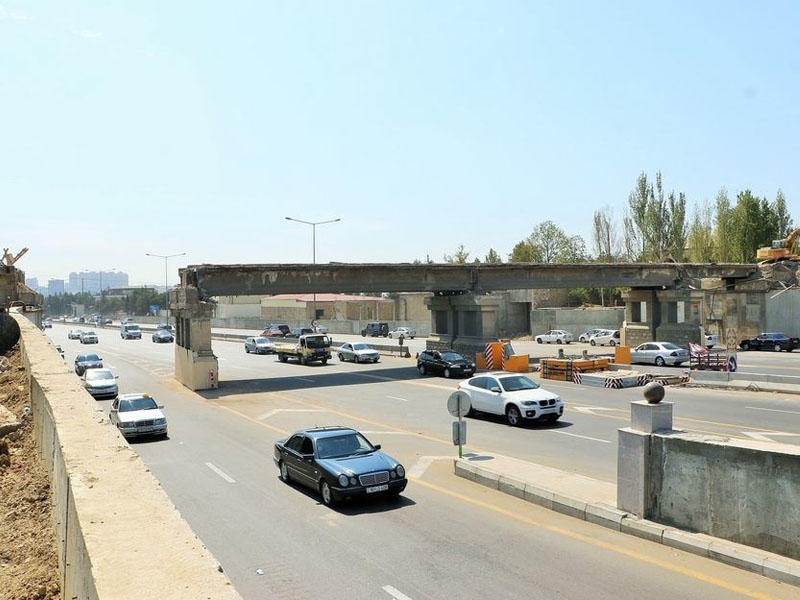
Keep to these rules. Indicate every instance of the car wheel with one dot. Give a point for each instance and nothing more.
(659, 361)
(282, 357)
(363, 334)
(559, 341)
(341, 357)
(376, 361)
(777, 347)
(593, 343)
(246, 350)
(325, 361)
(447, 373)
(327, 494)
(745, 346)
(284, 472)
(538, 340)
(612, 343)
(390, 336)
(422, 370)
(302, 360)
(513, 415)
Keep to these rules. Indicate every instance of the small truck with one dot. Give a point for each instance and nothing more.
(308, 348)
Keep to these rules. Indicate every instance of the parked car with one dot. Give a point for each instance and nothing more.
(711, 340)
(447, 362)
(605, 337)
(126, 320)
(298, 331)
(100, 383)
(340, 463)
(516, 396)
(138, 414)
(89, 337)
(770, 341)
(358, 352)
(406, 332)
(87, 361)
(162, 336)
(557, 336)
(275, 330)
(584, 337)
(74, 334)
(376, 329)
(130, 331)
(107, 321)
(659, 354)
(259, 345)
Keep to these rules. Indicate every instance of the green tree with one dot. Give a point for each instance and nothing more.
(460, 257)
(549, 244)
(492, 258)
(524, 251)
(724, 243)
(700, 240)
(656, 227)
(604, 237)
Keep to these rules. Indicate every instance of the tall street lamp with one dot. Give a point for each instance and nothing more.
(166, 276)
(313, 248)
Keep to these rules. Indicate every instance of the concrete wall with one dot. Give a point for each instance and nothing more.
(109, 511)
(738, 490)
(783, 312)
(576, 320)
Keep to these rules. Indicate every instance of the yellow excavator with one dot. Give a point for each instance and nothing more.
(780, 249)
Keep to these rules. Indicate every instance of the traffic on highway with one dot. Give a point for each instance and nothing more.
(439, 536)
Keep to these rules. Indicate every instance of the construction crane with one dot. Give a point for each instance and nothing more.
(10, 259)
(780, 249)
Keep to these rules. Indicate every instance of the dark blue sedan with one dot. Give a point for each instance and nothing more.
(340, 463)
(87, 361)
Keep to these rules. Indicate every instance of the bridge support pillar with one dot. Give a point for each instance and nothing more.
(464, 322)
(196, 367)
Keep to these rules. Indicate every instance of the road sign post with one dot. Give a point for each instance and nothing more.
(458, 405)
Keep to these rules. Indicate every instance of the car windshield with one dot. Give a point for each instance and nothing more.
(343, 445)
(360, 347)
(137, 404)
(516, 383)
(322, 341)
(262, 340)
(89, 333)
(452, 356)
(132, 328)
(98, 374)
(90, 357)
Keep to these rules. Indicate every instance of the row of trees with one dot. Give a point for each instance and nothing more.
(138, 302)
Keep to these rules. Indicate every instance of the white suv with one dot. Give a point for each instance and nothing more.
(514, 395)
(607, 336)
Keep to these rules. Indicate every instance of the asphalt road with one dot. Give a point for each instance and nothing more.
(446, 537)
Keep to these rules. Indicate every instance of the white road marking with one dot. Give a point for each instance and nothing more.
(584, 437)
(395, 593)
(588, 410)
(790, 412)
(220, 472)
(267, 415)
(418, 470)
(397, 398)
(764, 436)
(304, 379)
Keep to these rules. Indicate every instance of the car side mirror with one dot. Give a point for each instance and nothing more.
(113, 410)
(377, 446)
(160, 406)
(495, 389)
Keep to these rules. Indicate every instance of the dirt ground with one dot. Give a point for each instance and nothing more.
(28, 555)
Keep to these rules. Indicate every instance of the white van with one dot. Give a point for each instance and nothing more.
(130, 331)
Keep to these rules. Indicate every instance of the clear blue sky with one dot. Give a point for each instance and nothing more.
(167, 127)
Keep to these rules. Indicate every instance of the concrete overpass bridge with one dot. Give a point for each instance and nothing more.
(463, 313)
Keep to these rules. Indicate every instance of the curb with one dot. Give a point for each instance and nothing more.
(761, 562)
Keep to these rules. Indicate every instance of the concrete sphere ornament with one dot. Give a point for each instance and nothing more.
(653, 392)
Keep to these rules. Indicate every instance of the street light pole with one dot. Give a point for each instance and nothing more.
(166, 277)
(313, 249)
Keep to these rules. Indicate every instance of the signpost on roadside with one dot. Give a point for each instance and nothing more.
(458, 405)
(730, 349)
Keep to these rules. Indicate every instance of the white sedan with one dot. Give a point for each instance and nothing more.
(659, 354)
(406, 332)
(138, 414)
(516, 396)
(358, 352)
(557, 336)
(604, 337)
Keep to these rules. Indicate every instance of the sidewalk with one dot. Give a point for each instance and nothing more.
(595, 501)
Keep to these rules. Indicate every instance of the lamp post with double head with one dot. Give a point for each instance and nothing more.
(166, 257)
(313, 249)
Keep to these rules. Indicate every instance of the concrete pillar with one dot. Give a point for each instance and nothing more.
(196, 367)
(634, 490)
(465, 322)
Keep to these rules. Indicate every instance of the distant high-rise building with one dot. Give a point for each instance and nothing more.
(33, 283)
(55, 286)
(93, 281)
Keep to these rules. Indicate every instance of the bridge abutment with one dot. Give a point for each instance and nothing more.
(196, 366)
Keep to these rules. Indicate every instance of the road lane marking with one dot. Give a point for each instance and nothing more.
(269, 414)
(395, 593)
(790, 412)
(764, 436)
(584, 437)
(220, 472)
(397, 398)
(305, 379)
(418, 470)
(610, 546)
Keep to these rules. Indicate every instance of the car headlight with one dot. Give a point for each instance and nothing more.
(529, 403)
(343, 480)
(401, 472)
(127, 424)
(162, 421)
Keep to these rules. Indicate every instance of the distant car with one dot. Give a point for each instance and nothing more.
(259, 345)
(100, 383)
(298, 331)
(770, 341)
(47, 323)
(89, 337)
(584, 337)
(605, 337)
(87, 361)
(107, 321)
(275, 330)
(137, 415)
(320, 329)
(447, 362)
(554, 336)
(162, 336)
(74, 334)
(375, 329)
(126, 320)
(659, 354)
(166, 326)
(358, 352)
(130, 331)
(340, 463)
(711, 340)
(406, 332)
(516, 396)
